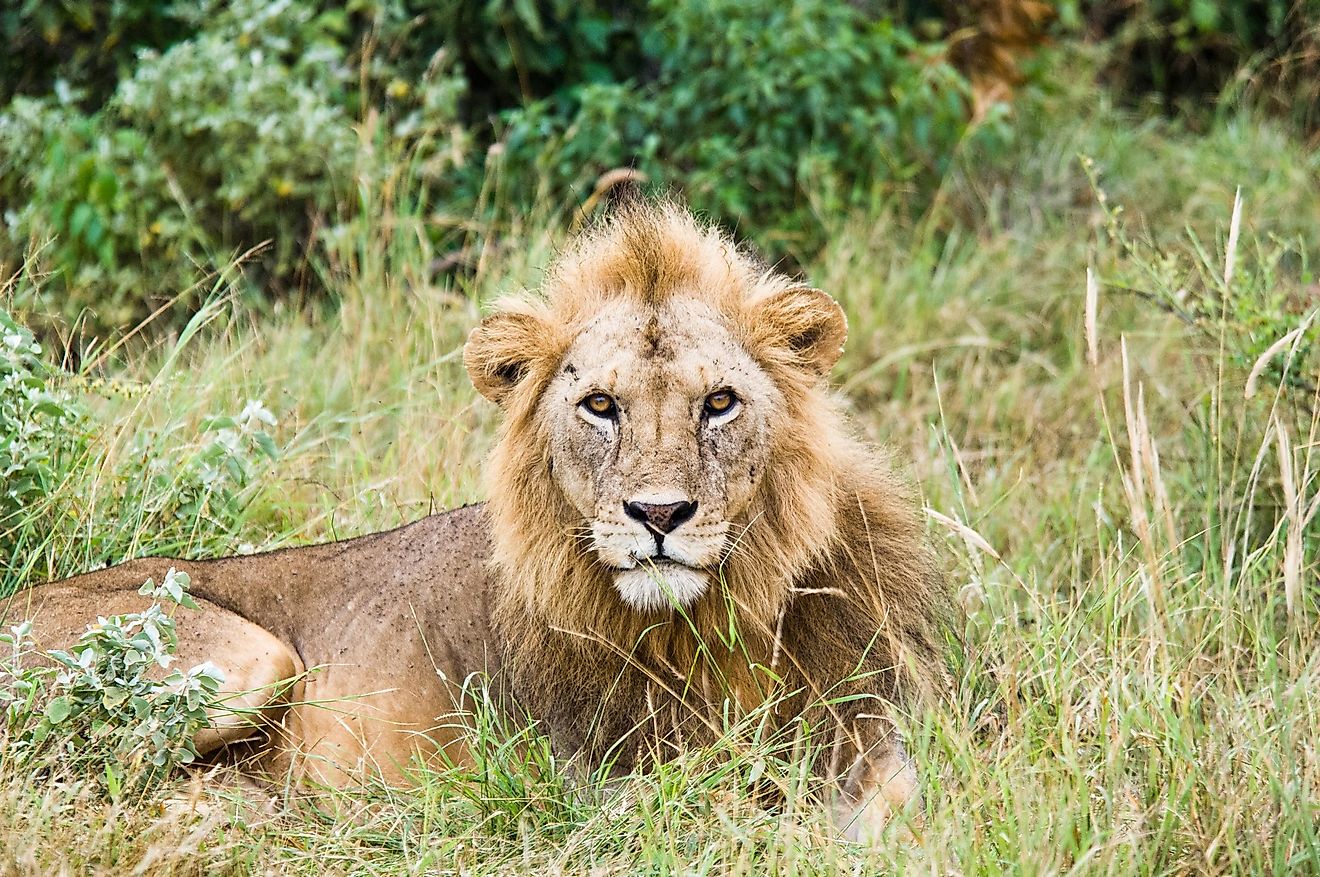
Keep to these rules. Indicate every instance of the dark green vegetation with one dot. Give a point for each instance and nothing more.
(1122, 475)
(148, 143)
(206, 131)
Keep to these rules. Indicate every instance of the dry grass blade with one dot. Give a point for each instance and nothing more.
(1230, 251)
(1140, 467)
(1263, 361)
(1150, 455)
(1092, 301)
(969, 535)
(1293, 515)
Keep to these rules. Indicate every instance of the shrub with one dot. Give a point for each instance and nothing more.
(179, 486)
(762, 103)
(753, 108)
(208, 480)
(83, 44)
(272, 121)
(227, 139)
(96, 205)
(239, 134)
(101, 704)
(515, 52)
(248, 119)
(43, 427)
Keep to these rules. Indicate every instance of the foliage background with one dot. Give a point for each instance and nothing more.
(1076, 243)
(146, 141)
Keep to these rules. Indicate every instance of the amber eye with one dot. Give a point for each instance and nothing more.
(601, 405)
(720, 402)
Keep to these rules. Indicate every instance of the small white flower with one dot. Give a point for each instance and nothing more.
(255, 411)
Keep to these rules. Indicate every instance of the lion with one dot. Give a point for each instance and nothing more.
(681, 526)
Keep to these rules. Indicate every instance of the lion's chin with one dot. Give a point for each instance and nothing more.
(660, 586)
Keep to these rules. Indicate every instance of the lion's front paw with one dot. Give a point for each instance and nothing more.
(874, 793)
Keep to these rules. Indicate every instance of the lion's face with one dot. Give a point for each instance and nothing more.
(659, 426)
(656, 398)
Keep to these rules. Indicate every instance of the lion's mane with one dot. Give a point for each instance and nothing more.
(830, 588)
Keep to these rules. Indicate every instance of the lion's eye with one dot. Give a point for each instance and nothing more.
(601, 405)
(720, 402)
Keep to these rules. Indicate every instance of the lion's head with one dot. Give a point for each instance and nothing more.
(666, 421)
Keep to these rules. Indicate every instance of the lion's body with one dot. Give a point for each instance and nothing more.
(389, 625)
(681, 525)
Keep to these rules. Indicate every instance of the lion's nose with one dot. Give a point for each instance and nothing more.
(662, 517)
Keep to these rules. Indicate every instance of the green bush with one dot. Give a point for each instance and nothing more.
(43, 427)
(102, 705)
(276, 121)
(761, 104)
(515, 52)
(753, 107)
(205, 480)
(248, 121)
(232, 137)
(96, 208)
(238, 135)
(80, 44)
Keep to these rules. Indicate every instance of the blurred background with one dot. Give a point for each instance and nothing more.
(145, 143)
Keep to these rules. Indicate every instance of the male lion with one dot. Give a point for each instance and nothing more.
(680, 526)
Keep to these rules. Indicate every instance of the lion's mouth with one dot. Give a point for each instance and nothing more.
(660, 563)
(658, 583)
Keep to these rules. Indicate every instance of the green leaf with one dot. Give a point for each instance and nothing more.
(58, 709)
(266, 444)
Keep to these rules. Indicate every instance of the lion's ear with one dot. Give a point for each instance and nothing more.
(802, 325)
(501, 351)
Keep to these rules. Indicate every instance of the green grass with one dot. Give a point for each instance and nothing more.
(1139, 698)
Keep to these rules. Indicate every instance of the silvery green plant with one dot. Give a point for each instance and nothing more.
(232, 453)
(104, 704)
(42, 423)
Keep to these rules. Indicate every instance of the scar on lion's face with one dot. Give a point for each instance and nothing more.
(658, 419)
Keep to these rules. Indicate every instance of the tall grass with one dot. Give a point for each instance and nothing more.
(1132, 534)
